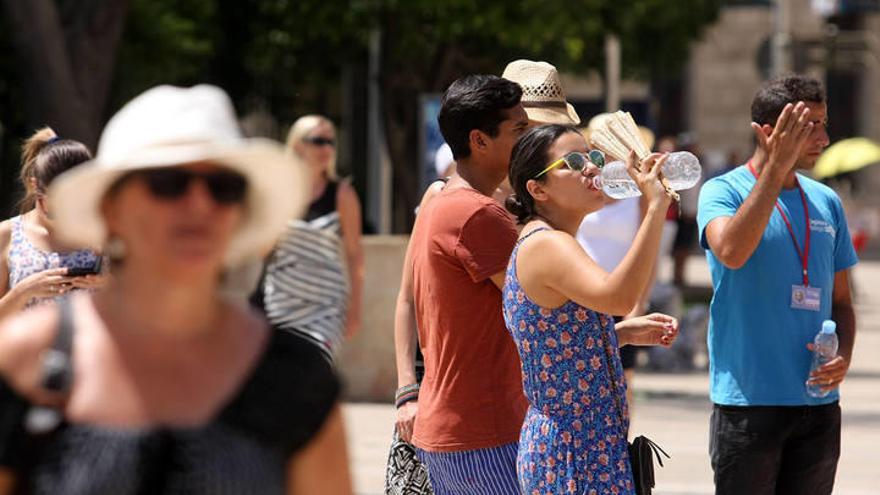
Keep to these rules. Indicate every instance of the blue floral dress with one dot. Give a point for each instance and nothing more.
(574, 438)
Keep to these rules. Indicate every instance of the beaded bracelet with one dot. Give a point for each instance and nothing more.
(403, 400)
(406, 394)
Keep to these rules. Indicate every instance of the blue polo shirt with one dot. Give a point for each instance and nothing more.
(757, 341)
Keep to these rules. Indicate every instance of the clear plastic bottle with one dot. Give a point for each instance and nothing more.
(825, 350)
(682, 171)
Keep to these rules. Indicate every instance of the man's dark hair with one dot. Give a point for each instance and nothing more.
(776, 93)
(475, 102)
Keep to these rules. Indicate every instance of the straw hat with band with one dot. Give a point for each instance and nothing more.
(169, 126)
(543, 96)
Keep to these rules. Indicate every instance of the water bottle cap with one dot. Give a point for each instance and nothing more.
(829, 326)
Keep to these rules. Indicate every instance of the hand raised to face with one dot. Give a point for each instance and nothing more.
(780, 150)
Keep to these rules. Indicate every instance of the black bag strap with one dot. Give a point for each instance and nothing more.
(610, 368)
(38, 425)
(643, 478)
(57, 362)
(654, 447)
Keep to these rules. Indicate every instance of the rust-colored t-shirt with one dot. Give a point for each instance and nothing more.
(471, 395)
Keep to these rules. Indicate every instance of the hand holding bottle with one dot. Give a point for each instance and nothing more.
(828, 369)
(646, 174)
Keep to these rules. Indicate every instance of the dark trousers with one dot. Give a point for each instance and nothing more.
(764, 450)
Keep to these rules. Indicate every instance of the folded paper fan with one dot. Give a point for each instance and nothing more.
(617, 135)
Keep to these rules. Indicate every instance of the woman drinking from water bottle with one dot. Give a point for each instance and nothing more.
(557, 302)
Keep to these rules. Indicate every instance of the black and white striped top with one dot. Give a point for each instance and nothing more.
(306, 289)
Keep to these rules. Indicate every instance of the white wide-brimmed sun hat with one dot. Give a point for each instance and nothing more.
(169, 126)
(543, 96)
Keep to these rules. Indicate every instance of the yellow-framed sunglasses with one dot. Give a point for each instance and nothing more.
(577, 161)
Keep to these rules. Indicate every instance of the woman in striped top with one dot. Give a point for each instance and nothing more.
(313, 277)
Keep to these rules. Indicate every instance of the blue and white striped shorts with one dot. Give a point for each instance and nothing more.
(473, 472)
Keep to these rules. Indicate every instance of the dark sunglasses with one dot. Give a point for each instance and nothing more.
(225, 186)
(320, 141)
(577, 161)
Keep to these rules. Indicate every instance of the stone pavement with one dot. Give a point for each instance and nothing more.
(673, 409)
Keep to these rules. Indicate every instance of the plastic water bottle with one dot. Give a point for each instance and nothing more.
(681, 170)
(825, 350)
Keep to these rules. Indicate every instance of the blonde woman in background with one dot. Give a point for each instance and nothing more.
(35, 266)
(313, 277)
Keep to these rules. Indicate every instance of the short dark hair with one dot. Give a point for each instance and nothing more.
(475, 102)
(529, 157)
(776, 93)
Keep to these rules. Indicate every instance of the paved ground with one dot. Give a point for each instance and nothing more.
(673, 409)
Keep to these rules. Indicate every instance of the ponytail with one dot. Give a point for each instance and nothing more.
(29, 151)
(521, 211)
(44, 156)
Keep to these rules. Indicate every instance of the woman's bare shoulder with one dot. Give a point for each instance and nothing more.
(432, 191)
(23, 338)
(346, 193)
(5, 233)
(545, 237)
(550, 248)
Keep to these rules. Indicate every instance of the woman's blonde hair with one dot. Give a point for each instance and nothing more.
(44, 156)
(301, 128)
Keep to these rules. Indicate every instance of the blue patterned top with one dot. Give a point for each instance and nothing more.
(574, 438)
(25, 259)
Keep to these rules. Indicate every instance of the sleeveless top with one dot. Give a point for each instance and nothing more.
(574, 437)
(305, 287)
(244, 449)
(25, 259)
(606, 235)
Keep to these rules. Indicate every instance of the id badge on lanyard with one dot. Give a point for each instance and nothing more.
(806, 297)
(803, 296)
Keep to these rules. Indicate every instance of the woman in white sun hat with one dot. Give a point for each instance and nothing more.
(157, 384)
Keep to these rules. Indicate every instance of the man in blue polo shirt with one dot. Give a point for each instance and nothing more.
(779, 251)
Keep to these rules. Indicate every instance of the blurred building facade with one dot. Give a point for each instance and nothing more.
(835, 41)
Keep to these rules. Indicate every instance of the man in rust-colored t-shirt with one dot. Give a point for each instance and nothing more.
(471, 395)
(471, 403)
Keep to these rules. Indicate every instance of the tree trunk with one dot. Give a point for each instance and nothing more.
(402, 85)
(66, 64)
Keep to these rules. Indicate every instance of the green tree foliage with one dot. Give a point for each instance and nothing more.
(289, 57)
(164, 42)
(427, 44)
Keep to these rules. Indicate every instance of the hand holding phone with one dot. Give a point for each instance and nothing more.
(81, 271)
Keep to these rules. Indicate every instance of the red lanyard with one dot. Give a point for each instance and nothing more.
(805, 255)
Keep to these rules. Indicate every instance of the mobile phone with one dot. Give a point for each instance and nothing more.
(81, 271)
